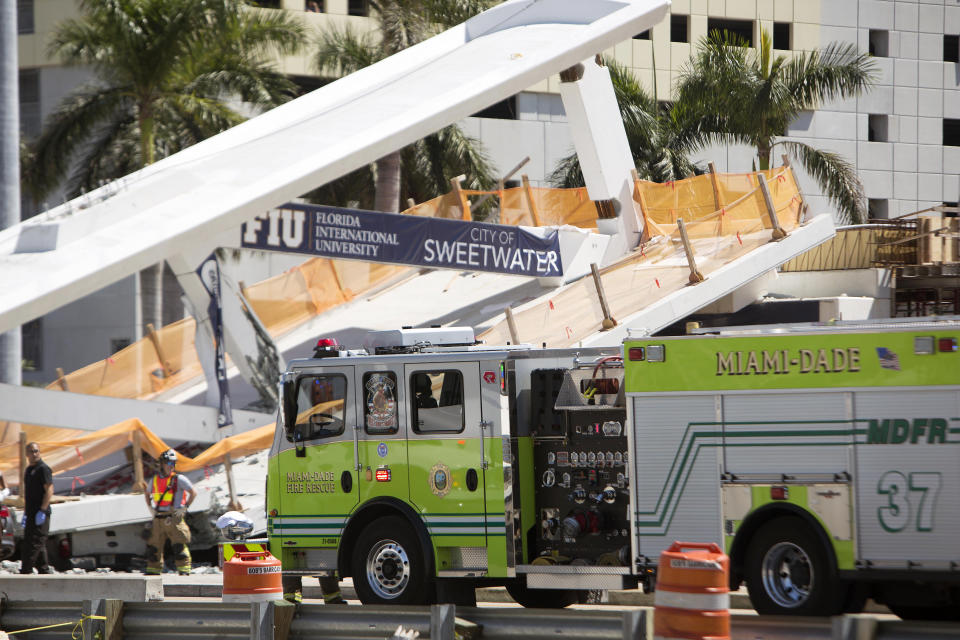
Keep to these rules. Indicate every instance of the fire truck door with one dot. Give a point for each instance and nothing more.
(382, 448)
(317, 470)
(445, 451)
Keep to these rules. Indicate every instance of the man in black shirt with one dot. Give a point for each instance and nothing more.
(37, 492)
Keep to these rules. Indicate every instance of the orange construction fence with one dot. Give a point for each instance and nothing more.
(660, 266)
(725, 216)
(68, 453)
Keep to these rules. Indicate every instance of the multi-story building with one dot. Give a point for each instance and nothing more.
(903, 136)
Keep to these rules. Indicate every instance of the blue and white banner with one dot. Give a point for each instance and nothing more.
(209, 272)
(374, 236)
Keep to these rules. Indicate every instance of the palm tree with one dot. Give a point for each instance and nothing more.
(424, 168)
(733, 93)
(658, 143)
(165, 70)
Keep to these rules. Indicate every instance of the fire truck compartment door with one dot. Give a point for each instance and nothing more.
(445, 451)
(314, 496)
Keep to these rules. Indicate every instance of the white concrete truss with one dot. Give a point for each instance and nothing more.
(185, 200)
(31, 405)
(719, 283)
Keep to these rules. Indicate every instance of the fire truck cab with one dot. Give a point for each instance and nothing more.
(411, 463)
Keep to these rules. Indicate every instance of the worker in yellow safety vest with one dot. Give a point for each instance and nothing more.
(169, 497)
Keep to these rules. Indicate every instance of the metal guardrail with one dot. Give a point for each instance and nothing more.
(173, 620)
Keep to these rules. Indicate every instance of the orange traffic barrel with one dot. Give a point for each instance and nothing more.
(252, 576)
(692, 598)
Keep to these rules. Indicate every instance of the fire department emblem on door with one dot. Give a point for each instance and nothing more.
(440, 479)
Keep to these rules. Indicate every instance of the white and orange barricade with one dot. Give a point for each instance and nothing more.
(227, 550)
(252, 576)
(692, 600)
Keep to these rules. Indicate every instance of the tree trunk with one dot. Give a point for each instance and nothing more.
(763, 157)
(151, 295)
(388, 183)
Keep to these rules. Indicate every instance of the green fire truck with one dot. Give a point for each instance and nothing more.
(824, 459)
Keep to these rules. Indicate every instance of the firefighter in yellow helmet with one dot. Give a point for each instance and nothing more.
(169, 497)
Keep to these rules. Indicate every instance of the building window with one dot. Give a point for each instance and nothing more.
(25, 16)
(743, 29)
(436, 399)
(31, 345)
(951, 48)
(879, 43)
(878, 128)
(679, 31)
(119, 344)
(503, 110)
(314, 6)
(29, 85)
(358, 8)
(951, 132)
(781, 36)
(643, 35)
(878, 209)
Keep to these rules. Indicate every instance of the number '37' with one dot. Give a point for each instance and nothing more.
(915, 493)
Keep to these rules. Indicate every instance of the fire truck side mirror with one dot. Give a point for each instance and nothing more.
(289, 390)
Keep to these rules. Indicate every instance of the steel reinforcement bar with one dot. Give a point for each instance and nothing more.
(178, 620)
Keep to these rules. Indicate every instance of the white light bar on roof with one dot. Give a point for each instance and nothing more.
(436, 336)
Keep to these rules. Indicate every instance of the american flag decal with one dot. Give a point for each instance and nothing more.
(888, 359)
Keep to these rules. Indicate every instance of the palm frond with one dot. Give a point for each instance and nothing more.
(836, 71)
(836, 177)
(67, 129)
(345, 50)
(112, 150)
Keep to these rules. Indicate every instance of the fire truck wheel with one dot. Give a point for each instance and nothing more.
(388, 565)
(541, 598)
(789, 573)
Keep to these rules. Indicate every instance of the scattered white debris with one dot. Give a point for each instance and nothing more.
(404, 634)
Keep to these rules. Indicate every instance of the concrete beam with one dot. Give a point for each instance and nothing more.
(186, 199)
(69, 588)
(32, 405)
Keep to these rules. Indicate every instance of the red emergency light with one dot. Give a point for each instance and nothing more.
(947, 345)
(383, 475)
(326, 347)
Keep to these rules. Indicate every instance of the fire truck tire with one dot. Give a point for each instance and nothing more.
(388, 564)
(789, 572)
(541, 598)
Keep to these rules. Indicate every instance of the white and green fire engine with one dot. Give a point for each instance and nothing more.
(824, 459)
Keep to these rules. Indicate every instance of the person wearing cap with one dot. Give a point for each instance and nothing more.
(37, 493)
(169, 497)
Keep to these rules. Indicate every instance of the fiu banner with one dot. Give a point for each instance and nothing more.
(333, 232)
